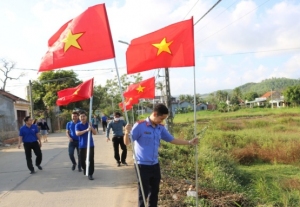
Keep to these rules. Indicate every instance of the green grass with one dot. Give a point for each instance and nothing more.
(251, 155)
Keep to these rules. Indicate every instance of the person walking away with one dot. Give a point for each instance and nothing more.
(104, 122)
(146, 136)
(44, 129)
(73, 140)
(29, 135)
(82, 129)
(95, 122)
(118, 138)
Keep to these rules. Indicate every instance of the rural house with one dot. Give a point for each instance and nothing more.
(13, 109)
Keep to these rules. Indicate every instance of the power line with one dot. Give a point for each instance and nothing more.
(94, 69)
(242, 53)
(218, 15)
(208, 11)
(191, 9)
(232, 22)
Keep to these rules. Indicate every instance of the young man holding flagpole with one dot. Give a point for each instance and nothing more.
(82, 130)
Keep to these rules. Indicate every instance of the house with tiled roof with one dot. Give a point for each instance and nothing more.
(273, 97)
(13, 109)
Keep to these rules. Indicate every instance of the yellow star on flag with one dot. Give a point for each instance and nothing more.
(163, 46)
(71, 40)
(76, 92)
(140, 89)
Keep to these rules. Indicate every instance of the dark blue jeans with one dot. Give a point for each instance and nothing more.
(72, 146)
(150, 176)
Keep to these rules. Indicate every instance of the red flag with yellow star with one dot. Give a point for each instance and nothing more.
(143, 89)
(79, 93)
(84, 39)
(171, 46)
(129, 102)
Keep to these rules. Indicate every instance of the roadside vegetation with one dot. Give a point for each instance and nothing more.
(246, 158)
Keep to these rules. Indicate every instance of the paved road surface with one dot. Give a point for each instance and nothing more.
(58, 185)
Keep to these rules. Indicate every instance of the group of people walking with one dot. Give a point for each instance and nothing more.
(146, 136)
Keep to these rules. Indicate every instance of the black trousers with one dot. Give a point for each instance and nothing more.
(116, 142)
(104, 125)
(28, 146)
(82, 153)
(150, 176)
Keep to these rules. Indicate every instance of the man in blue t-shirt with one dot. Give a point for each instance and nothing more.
(104, 122)
(73, 140)
(117, 126)
(82, 129)
(30, 136)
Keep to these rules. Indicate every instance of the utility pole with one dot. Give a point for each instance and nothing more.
(169, 102)
(31, 100)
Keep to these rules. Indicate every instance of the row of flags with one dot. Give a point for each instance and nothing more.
(87, 38)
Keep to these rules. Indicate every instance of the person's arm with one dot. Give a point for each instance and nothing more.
(107, 131)
(20, 141)
(92, 129)
(68, 135)
(185, 142)
(39, 138)
(126, 138)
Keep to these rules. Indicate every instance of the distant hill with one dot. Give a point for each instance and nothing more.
(275, 84)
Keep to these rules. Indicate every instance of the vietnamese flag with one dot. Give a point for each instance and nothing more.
(171, 46)
(143, 89)
(129, 102)
(81, 92)
(84, 39)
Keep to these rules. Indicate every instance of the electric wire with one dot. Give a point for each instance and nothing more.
(231, 23)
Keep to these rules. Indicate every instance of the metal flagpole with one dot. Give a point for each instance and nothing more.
(87, 160)
(195, 134)
(132, 115)
(126, 115)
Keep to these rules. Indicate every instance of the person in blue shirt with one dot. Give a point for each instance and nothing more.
(146, 136)
(104, 122)
(30, 136)
(73, 140)
(118, 140)
(82, 129)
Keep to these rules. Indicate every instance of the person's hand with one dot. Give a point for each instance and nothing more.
(40, 144)
(128, 128)
(107, 139)
(194, 141)
(19, 146)
(70, 140)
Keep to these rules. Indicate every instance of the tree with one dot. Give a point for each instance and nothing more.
(292, 94)
(7, 67)
(251, 96)
(161, 87)
(44, 90)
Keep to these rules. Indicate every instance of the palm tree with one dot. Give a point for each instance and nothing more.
(161, 87)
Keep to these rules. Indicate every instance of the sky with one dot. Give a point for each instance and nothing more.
(238, 42)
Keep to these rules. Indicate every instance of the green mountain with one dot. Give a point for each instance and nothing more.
(275, 84)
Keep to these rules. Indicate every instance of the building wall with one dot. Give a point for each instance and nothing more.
(7, 115)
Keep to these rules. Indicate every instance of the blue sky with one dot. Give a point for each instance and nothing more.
(266, 31)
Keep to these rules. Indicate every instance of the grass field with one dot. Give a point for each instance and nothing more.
(246, 158)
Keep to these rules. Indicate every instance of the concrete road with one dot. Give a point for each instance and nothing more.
(58, 185)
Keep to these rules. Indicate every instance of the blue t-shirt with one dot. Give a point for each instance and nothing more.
(117, 128)
(28, 134)
(104, 118)
(146, 140)
(83, 139)
(71, 128)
